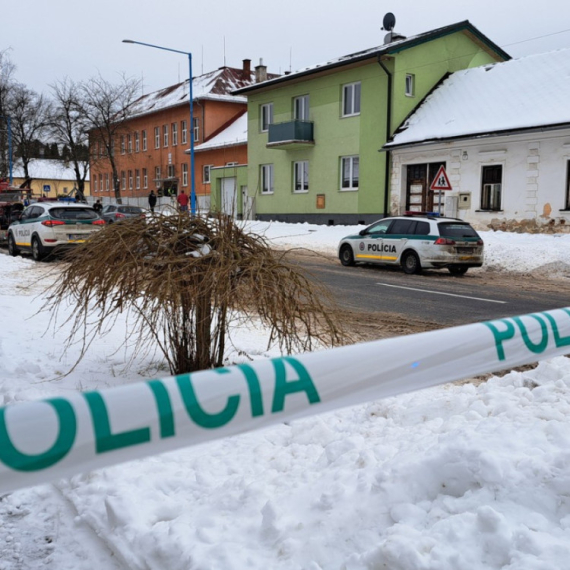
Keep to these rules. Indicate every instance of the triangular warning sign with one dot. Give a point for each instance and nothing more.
(441, 181)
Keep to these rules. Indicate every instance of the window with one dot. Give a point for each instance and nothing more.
(171, 172)
(157, 174)
(130, 179)
(129, 143)
(184, 131)
(267, 178)
(106, 181)
(123, 180)
(101, 182)
(301, 176)
(491, 181)
(266, 118)
(122, 144)
(351, 99)
(206, 173)
(349, 172)
(95, 183)
(184, 174)
(400, 227)
(174, 134)
(137, 179)
(145, 178)
(156, 137)
(301, 108)
(144, 141)
(137, 142)
(165, 135)
(410, 84)
(196, 127)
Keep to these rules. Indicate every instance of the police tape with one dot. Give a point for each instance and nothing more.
(63, 436)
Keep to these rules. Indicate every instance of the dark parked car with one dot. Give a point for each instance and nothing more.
(9, 212)
(117, 212)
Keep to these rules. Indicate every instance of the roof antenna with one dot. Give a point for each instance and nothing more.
(388, 24)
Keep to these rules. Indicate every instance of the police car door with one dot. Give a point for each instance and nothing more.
(370, 247)
(22, 230)
(396, 239)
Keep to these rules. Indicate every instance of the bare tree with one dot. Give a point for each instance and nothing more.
(68, 128)
(7, 84)
(30, 113)
(106, 108)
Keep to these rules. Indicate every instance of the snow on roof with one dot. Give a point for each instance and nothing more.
(235, 134)
(214, 85)
(45, 169)
(523, 93)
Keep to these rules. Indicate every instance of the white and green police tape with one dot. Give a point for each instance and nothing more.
(43, 441)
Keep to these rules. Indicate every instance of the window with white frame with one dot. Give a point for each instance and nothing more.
(101, 181)
(196, 129)
(301, 176)
(171, 171)
(122, 144)
(349, 170)
(351, 99)
(144, 141)
(123, 180)
(267, 179)
(156, 137)
(301, 108)
(174, 128)
(491, 187)
(206, 173)
(157, 175)
(106, 181)
(184, 132)
(129, 143)
(184, 174)
(145, 178)
(95, 183)
(165, 135)
(137, 179)
(130, 179)
(410, 84)
(266, 116)
(137, 142)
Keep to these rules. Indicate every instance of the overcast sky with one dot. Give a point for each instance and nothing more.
(51, 40)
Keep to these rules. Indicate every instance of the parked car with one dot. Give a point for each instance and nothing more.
(47, 227)
(9, 212)
(415, 242)
(116, 212)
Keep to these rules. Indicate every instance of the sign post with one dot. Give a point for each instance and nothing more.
(440, 183)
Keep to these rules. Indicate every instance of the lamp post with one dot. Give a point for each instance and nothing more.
(190, 126)
(9, 124)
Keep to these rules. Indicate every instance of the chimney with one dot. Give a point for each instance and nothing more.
(260, 72)
(246, 70)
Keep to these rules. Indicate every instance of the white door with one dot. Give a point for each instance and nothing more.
(229, 197)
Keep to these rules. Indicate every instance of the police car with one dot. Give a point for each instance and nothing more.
(415, 242)
(46, 227)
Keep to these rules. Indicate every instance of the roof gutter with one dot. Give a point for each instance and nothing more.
(388, 123)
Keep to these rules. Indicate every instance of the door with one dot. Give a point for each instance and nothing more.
(370, 247)
(419, 198)
(229, 197)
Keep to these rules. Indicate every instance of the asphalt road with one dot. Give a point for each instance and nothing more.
(437, 296)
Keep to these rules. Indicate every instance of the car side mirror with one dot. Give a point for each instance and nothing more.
(362, 232)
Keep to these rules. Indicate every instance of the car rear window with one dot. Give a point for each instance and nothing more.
(73, 213)
(130, 210)
(456, 230)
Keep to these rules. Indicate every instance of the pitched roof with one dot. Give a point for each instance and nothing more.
(375, 52)
(234, 134)
(215, 85)
(520, 94)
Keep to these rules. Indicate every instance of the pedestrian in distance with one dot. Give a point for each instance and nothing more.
(182, 201)
(98, 206)
(152, 201)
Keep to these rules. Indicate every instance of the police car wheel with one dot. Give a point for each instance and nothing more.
(457, 269)
(411, 263)
(12, 249)
(346, 255)
(38, 252)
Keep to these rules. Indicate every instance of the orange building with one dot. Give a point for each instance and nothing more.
(152, 154)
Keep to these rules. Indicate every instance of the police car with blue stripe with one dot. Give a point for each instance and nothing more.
(415, 242)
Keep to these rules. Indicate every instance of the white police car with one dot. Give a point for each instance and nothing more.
(415, 242)
(46, 227)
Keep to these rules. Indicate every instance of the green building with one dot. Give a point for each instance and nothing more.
(315, 136)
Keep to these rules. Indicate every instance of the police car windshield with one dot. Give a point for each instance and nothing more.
(73, 213)
(456, 230)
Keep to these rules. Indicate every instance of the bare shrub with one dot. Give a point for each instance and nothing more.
(184, 279)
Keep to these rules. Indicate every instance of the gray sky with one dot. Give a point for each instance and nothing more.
(49, 40)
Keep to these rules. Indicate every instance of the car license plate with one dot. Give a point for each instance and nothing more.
(76, 237)
(465, 250)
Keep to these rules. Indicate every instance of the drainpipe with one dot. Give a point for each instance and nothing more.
(388, 133)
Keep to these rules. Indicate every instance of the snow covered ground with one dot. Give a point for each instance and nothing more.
(456, 477)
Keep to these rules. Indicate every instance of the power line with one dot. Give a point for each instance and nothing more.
(536, 38)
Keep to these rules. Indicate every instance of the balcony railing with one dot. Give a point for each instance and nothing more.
(292, 134)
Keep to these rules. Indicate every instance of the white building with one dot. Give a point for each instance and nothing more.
(502, 132)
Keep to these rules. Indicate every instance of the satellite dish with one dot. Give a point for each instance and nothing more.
(389, 22)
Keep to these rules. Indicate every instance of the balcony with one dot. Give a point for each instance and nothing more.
(290, 135)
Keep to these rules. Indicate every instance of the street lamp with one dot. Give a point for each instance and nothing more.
(190, 126)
